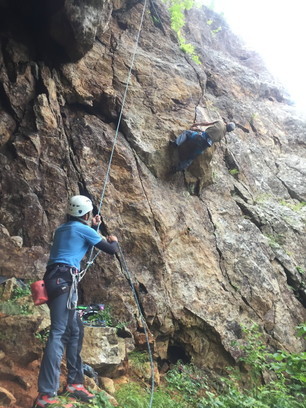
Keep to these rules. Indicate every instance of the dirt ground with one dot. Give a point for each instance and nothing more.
(22, 383)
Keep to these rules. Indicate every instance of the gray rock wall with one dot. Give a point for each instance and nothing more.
(210, 250)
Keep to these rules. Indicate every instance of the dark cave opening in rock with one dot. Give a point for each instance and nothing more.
(29, 23)
(178, 353)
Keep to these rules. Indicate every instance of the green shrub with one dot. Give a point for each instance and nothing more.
(287, 371)
(43, 335)
(11, 307)
(177, 9)
(100, 401)
(234, 172)
(104, 315)
(138, 358)
(187, 386)
(164, 399)
(21, 291)
(131, 395)
(187, 379)
(294, 206)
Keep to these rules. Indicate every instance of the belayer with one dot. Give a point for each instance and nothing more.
(191, 143)
(71, 242)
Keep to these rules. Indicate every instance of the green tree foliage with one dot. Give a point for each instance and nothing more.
(177, 10)
(286, 371)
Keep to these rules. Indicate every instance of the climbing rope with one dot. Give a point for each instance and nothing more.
(122, 106)
(93, 257)
(124, 264)
(144, 323)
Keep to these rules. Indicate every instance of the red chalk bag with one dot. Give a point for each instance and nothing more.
(39, 293)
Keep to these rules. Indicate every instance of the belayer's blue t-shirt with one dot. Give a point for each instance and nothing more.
(71, 242)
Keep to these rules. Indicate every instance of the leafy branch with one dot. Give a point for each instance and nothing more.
(177, 10)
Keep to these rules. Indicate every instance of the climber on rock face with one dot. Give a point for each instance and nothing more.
(216, 130)
(191, 143)
(71, 241)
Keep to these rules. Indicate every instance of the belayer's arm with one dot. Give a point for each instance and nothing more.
(108, 247)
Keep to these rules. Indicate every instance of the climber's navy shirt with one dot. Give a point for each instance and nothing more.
(202, 141)
(71, 242)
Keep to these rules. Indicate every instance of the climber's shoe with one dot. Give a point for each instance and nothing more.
(46, 401)
(79, 392)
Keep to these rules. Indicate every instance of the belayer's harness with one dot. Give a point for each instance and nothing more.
(61, 278)
(73, 297)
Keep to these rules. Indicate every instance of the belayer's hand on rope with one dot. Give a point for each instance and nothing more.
(111, 238)
(96, 221)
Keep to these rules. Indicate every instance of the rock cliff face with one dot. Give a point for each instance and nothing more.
(209, 250)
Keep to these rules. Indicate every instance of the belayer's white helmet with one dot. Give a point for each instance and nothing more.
(79, 205)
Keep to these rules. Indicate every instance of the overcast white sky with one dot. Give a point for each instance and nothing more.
(276, 29)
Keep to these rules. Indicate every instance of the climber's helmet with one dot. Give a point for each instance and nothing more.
(79, 205)
(230, 126)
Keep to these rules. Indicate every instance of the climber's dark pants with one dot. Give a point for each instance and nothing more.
(183, 137)
(190, 145)
(66, 332)
(184, 164)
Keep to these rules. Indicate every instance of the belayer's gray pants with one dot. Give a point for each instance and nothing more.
(66, 332)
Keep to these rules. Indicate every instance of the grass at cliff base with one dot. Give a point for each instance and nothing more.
(262, 378)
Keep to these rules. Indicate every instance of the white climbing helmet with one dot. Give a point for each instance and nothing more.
(79, 205)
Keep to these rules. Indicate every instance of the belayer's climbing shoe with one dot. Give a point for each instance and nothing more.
(45, 401)
(78, 391)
